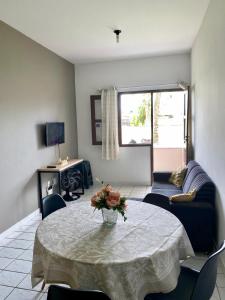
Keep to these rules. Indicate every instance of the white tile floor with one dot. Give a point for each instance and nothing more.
(16, 255)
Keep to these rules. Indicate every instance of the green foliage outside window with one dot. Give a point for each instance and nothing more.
(144, 113)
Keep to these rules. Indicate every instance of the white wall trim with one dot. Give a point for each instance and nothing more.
(18, 224)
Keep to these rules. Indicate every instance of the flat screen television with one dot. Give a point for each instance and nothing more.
(54, 133)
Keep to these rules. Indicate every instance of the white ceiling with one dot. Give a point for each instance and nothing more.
(82, 30)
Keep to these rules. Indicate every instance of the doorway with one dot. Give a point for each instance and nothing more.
(169, 129)
(157, 120)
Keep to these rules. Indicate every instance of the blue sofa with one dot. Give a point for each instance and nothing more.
(198, 216)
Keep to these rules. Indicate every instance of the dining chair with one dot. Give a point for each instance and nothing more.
(56, 292)
(192, 284)
(51, 203)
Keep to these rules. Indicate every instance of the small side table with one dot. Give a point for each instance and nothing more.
(58, 169)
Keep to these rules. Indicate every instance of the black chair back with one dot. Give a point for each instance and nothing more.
(207, 277)
(62, 293)
(51, 203)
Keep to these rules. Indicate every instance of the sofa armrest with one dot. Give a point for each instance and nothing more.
(189, 210)
(199, 220)
(194, 205)
(161, 176)
(158, 200)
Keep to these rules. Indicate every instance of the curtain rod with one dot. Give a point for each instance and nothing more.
(183, 85)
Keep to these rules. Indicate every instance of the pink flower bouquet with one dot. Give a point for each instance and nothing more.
(109, 199)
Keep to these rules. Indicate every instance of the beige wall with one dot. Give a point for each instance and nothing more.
(36, 86)
(208, 87)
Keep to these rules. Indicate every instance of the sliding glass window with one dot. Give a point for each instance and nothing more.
(135, 119)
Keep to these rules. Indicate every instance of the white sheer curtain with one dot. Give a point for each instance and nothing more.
(110, 144)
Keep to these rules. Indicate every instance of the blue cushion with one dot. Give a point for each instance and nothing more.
(191, 176)
(163, 185)
(167, 193)
(192, 164)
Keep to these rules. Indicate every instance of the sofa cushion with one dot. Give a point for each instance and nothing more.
(192, 164)
(164, 186)
(161, 176)
(195, 171)
(167, 193)
(177, 177)
(184, 197)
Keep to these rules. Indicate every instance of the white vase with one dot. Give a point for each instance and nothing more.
(109, 216)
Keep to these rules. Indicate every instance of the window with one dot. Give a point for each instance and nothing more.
(135, 119)
(145, 118)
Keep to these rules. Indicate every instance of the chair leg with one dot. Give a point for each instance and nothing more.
(43, 285)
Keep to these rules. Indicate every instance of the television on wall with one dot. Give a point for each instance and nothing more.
(54, 133)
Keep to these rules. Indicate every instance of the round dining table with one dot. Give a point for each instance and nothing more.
(126, 261)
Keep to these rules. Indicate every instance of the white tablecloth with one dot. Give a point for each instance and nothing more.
(126, 261)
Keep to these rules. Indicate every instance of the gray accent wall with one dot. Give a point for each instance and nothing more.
(208, 93)
(36, 86)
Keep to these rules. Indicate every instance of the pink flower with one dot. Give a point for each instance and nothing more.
(94, 200)
(113, 199)
(107, 188)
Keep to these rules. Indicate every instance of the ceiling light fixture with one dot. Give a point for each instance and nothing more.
(117, 33)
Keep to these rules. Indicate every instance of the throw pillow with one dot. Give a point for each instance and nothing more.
(184, 197)
(177, 177)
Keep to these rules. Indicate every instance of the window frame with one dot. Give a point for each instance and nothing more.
(93, 99)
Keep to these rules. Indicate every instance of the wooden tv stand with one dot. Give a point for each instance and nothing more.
(58, 169)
